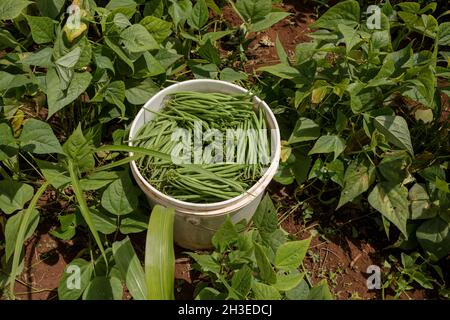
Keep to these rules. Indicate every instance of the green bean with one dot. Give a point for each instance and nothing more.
(207, 182)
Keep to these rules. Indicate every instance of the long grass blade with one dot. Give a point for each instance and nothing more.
(21, 235)
(84, 209)
(159, 255)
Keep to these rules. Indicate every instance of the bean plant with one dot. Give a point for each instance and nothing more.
(371, 128)
(361, 112)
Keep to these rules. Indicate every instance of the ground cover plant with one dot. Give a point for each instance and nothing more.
(363, 113)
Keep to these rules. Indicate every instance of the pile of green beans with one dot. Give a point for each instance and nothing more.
(216, 181)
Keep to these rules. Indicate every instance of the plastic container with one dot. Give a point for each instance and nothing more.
(196, 223)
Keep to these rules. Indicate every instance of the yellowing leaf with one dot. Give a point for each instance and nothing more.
(73, 34)
(17, 122)
(425, 115)
(285, 151)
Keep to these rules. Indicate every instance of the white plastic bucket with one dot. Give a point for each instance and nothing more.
(196, 223)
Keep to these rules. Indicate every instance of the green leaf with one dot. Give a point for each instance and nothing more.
(7, 40)
(284, 175)
(287, 282)
(265, 292)
(290, 255)
(38, 137)
(120, 197)
(70, 59)
(103, 288)
(141, 92)
(42, 58)
(50, 8)
(79, 150)
(351, 36)
(69, 288)
(444, 34)
(121, 21)
(210, 53)
(358, 177)
(103, 62)
(254, 10)
(199, 15)
(55, 174)
(159, 255)
(396, 131)
(130, 268)
(180, 10)
(14, 195)
(210, 294)
(214, 36)
(344, 12)
(116, 4)
(320, 292)
(268, 21)
(67, 228)
(111, 43)
(86, 54)
(412, 7)
(265, 217)
(158, 28)
(136, 38)
(305, 130)
(242, 280)
(154, 8)
(395, 63)
(8, 145)
(327, 144)
(213, 6)
(363, 98)
(431, 173)
(103, 221)
(300, 292)
(442, 185)
(424, 24)
(393, 167)
(57, 100)
(203, 71)
(420, 203)
(42, 29)
(434, 237)
(148, 66)
(301, 167)
(115, 94)
(281, 70)
(12, 230)
(266, 271)
(10, 9)
(226, 236)
(8, 81)
(391, 200)
(335, 170)
(133, 223)
(230, 75)
(98, 180)
(167, 57)
(206, 262)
